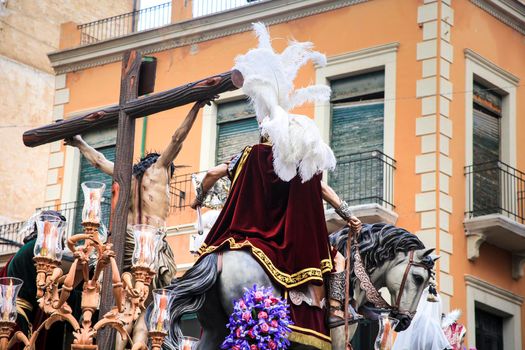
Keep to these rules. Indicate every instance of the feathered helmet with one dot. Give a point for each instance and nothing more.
(268, 82)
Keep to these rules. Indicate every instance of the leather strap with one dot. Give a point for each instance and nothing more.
(366, 284)
(405, 275)
(348, 268)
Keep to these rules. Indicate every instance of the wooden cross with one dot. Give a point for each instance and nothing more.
(123, 115)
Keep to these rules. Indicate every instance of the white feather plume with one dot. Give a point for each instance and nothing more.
(262, 34)
(450, 318)
(269, 77)
(313, 93)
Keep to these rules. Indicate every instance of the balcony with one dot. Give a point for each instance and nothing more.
(364, 180)
(496, 211)
(10, 241)
(153, 17)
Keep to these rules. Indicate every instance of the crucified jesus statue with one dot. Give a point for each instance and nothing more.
(149, 193)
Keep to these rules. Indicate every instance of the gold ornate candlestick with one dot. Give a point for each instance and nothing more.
(54, 288)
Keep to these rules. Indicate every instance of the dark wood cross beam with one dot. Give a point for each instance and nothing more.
(123, 115)
(135, 108)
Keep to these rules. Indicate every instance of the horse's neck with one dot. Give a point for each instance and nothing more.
(378, 279)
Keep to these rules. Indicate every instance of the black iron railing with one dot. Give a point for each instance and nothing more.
(150, 18)
(495, 188)
(10, 240)
(360, 178)
(182, 192)
(127, 23)
(364, 178)
(207, 7)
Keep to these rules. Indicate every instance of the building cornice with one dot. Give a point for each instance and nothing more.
(191, 32)
(492, 289)
(492, 67)
(362, 54)
(510, 12)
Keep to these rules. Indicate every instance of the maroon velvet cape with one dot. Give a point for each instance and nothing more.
(283, 225)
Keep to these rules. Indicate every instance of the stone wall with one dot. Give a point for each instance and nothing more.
(29, 30)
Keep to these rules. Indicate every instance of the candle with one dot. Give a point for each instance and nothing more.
(163, 305)
(49, 239)
(8, 305)
(93, 192)
(146, 241)
(9, 288)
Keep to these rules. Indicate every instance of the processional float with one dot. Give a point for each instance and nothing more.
(130, 290)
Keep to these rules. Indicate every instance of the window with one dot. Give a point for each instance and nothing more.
(489, 330)
(237, 128)
(486, 137)
(493, 312)
(356, 137)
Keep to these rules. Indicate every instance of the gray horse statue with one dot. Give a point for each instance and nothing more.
(389, 254)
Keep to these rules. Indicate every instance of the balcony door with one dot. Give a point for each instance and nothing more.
(356, 137)
(489, 331)
(486, 151)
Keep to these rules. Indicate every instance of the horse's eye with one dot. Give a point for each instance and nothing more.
(418, 279)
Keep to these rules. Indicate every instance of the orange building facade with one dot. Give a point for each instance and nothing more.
(427, 106)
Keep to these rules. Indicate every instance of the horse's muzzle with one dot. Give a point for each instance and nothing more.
(404, 321)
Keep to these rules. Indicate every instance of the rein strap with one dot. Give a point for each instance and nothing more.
(366, 284)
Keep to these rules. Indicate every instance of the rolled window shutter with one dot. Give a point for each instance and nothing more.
(236, 129)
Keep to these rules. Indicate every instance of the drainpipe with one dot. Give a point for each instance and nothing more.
(143, 138)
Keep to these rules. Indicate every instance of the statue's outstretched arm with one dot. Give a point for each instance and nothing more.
(94, 157)
(340, 207)
(211, 177)
(174, 147)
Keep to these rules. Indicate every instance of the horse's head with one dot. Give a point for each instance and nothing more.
(388, 254)
(406, 276)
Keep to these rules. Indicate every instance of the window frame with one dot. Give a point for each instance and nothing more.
(382, 57)
(355, 63)
(499, 301)
(478, 68)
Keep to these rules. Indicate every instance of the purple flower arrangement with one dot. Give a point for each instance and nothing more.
(259, 321)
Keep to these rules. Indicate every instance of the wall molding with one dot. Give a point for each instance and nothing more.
(510, 12)
(493, 290)
(492, 67)
(191, 32)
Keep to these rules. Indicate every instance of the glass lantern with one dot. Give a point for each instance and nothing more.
(384, 340)
(160, 316)
(9, 288)
(188, 343)
(92, 210)
(146, 243)
(50, 231)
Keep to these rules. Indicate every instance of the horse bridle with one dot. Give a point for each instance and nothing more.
(372, 293)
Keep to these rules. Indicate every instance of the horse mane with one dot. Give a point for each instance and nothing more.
(378, 243)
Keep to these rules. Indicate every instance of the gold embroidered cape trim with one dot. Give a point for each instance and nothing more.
(286, 280)
(297, 337)
(244, 156)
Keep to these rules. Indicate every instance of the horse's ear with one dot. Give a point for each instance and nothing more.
(434, 257)
(421, 253)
